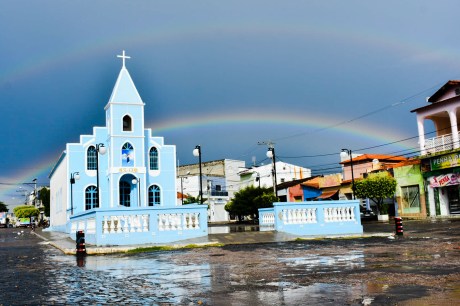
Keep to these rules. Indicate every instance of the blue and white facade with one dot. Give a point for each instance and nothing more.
(313, 218)
(135, 175)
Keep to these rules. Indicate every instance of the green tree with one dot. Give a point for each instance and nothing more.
(193, 200)
(44, 196)
(3, 207)
(247, 201)
(26, 211)
(377, 189)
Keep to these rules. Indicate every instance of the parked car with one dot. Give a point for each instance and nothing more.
(367, 214)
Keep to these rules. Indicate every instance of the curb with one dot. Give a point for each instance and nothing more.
(124, 249)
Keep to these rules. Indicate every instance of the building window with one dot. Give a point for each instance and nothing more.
(127, 155)
(410, 198)
(457, 91)
(153, 158)
(91, 200)
(154, 195)
(127, 124)
(125, 194)
(91, 158)
(127, 146)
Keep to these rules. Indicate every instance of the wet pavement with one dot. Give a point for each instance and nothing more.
(420, 268)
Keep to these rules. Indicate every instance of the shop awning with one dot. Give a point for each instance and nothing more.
(328, 194)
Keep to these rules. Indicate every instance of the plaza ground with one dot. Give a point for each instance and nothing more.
(420, 268)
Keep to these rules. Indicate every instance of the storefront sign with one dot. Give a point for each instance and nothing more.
(445, 161)
(445, 180)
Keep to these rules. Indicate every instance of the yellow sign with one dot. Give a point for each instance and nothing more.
(128, 170)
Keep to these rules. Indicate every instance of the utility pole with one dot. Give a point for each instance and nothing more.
(271, 154)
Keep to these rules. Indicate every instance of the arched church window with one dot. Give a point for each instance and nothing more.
(154, 195)
(127, 123)
(91, 158)
(91, 200)
(153, 158)
(125, 194)
(127, 155)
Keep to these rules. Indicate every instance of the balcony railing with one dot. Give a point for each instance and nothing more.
(439, 144)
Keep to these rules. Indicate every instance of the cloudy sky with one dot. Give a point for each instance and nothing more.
(311, 76)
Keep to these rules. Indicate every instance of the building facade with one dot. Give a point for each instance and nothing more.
(263, 175)
(120, 178)
(220, 181)
(359, 167)
(440, 155)
(410, 191)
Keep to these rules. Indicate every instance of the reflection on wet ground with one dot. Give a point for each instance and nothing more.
(142, 278)
(237, 228)
(311, 273)
(327, 264)
(420, 269)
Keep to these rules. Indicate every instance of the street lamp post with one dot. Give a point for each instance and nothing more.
(197, 153)
(73, 177)
(344, 153)
(35, 192)
(271, 154)
(135, 181)
(101, 149)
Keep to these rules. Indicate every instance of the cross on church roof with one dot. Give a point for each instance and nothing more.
(124, 57)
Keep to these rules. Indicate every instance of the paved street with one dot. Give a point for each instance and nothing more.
(420, 268)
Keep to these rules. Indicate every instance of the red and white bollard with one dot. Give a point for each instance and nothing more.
(399, 226)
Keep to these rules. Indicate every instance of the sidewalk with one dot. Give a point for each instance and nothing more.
(62, 242)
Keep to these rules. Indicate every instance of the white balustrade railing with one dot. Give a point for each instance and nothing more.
(117, 224)
(299, 216)
(339, 214)
(140, 225)
(91, 226)
(314, 217)
(268, 218)
(88, 225)
(125, 224)
(178, 221)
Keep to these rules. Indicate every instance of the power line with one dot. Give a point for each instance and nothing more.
(401, 102)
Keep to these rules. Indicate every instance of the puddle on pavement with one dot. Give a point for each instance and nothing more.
(327, 263)
(160, 278)
(327, 294)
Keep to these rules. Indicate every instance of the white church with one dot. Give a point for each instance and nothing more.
(118, 185)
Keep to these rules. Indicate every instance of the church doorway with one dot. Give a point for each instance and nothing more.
(127, 190)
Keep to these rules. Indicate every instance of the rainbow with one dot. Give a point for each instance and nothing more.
(39, 171)
(308, 124)
(38, 63)
(311, 124)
